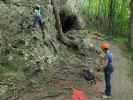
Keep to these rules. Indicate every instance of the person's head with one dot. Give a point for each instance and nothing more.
(37, 7)
(105, 47)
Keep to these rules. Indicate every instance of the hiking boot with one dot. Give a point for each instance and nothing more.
(109, 97)
(106, 97)
(33, 29)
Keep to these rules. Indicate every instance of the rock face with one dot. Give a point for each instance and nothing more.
(19, 44)
(63, 53)
(23, 47)
(72, 7)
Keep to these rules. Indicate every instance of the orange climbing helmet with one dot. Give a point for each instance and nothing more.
(104, 46)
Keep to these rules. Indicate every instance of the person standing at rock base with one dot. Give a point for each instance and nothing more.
(108, 69)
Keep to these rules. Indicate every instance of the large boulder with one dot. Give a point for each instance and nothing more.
(22, 48)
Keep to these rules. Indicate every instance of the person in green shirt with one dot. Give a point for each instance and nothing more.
(39, 17)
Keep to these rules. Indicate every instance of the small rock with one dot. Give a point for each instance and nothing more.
(3, 89)
(10, 58)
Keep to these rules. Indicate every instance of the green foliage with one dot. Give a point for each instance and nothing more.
(119, 39)
(100, 8)
(130, 52)
(13, 68)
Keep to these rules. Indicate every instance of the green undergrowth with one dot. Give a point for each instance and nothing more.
(120, 40)
(12, 69)
(130, 52)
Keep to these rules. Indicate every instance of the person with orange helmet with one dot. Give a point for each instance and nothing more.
(107, 68)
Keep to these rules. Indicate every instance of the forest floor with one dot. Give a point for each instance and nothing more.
(122, 87)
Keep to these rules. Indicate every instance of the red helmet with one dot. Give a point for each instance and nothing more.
(104, 46)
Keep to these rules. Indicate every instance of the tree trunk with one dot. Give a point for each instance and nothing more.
(110, 18)
(130, 36)
(57, 17)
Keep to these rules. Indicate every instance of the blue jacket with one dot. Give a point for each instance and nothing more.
(109, 67)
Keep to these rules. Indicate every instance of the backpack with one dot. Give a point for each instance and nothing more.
(88, 75)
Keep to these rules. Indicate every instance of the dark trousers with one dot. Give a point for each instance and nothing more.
(108, 83)
(38, 20)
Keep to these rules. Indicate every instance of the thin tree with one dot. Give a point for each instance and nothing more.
(130, 36)
(110, 18)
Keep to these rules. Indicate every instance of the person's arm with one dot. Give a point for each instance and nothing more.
(104, 63)
(35, 12)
